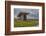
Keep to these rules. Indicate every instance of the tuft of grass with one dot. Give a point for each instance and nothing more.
(27, 23)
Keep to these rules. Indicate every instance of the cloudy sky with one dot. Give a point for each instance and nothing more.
(33, 13)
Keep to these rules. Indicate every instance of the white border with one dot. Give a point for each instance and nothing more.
(26, 28)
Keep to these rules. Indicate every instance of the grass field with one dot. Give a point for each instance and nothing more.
(27, 23)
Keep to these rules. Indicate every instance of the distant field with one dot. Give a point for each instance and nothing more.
(28, 23)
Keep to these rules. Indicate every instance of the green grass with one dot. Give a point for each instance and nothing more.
(19, 23)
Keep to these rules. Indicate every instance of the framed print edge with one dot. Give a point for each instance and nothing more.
(8, 17)
(25, 28)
